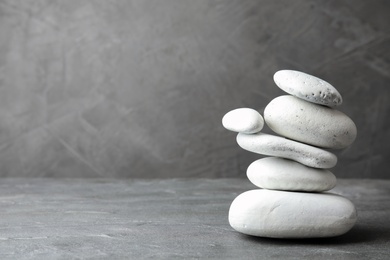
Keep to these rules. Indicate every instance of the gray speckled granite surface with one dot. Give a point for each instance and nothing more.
(176, 218)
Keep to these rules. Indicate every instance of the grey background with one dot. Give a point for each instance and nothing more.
(111, 88)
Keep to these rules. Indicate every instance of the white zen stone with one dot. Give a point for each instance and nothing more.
(243, 120)
(310, 123)
(308, 87)
(281, 147)
(281, 214)
(281, 174)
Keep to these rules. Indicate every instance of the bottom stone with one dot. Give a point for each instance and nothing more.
(281, 214)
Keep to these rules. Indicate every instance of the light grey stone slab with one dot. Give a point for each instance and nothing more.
(167, 219)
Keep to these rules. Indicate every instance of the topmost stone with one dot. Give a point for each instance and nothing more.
(308, 87)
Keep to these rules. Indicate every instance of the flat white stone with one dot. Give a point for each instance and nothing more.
(308, 87)
(282, 214)
(243, 120)
(281, 147)
(281, 174)
(310, 123)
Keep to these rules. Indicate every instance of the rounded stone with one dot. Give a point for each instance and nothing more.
(281, 147)
(308, 87)
(310, 123)
(282, 214)
(243, 120)
(281, 174)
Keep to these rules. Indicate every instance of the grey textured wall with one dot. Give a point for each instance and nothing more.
(138, 88)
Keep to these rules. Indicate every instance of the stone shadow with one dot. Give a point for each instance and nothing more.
(358, 234)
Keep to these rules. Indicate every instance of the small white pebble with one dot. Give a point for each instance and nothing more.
(243, 120)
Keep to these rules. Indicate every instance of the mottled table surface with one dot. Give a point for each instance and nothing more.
(175, 218)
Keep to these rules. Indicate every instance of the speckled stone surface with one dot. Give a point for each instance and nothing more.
(308, 87)
(168, 219)
(273, 145)
(310, 123)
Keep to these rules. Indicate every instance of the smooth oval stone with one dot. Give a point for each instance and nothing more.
(281, 147)
(281, 174)
(308, 87)
(282, 214)
(310, 123)
(243, 120)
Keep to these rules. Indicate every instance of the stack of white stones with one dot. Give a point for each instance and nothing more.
(292, 202)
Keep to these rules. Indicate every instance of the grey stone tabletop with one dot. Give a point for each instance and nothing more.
(168, 219)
